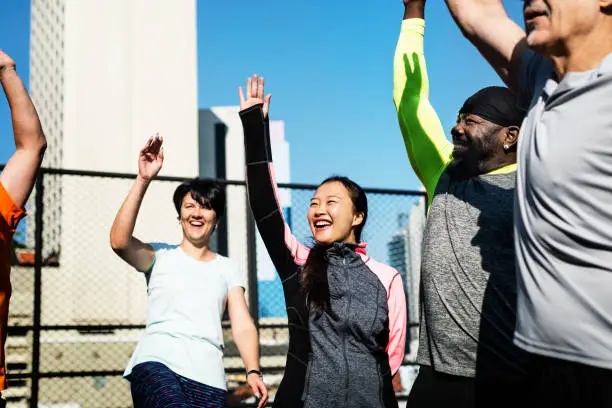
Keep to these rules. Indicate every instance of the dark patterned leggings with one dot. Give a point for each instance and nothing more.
(154, 385)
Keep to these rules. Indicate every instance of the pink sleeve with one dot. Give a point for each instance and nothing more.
(396, 301)
(299, 251)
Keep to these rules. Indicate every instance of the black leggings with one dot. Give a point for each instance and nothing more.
(561, 383)
(434, 389)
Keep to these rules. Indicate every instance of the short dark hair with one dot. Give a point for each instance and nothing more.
(208, 193)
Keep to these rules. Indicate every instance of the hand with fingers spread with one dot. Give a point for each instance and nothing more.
(151, 158)
(254, 95)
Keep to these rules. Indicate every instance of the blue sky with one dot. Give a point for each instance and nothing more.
(328, 65)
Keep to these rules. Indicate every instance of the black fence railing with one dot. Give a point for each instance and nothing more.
(77, 311)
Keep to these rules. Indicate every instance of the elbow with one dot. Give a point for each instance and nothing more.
(40, 141)
(470, 15)
(34, 146)
(117, 243)
(465, 26)
(247, 326)
(42, 147)
(464, 14)
(468, 31)
(244, 329)
(117, 246)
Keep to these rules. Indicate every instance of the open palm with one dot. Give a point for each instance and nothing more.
(151, 158)
(254, 95)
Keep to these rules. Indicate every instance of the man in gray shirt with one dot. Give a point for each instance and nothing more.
(468, 277)
(562, 70)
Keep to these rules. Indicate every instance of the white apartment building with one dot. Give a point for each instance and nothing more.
(104, 76)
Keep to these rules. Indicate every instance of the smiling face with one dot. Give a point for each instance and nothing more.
(554, 26)
(475, 140)
(332, 216)
(197, 220)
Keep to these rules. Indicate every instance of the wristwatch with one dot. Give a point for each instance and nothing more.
(254, 372)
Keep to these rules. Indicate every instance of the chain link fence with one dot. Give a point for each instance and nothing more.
(77, 311)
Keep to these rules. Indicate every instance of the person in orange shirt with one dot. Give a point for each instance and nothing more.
(16, 182)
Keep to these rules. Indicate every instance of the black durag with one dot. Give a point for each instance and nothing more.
(496, 104)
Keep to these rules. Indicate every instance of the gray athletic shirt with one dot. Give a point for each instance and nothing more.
(563, 214)
(468, 279)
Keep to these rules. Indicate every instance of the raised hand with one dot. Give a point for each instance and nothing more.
(414, 9)
(254, 95)
(151, 158)
(6, 62)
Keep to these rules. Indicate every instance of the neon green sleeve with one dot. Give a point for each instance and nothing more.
(428, 149)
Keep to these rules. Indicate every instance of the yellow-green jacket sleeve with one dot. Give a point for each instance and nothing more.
(428, 149)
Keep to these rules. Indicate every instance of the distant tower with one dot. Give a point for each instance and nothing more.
(414, 244)
(404, 253)
(104, 76)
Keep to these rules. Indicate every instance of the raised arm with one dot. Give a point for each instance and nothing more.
(20, 171)
(284, 249)
(428, 149)
(133, 251)
(499, 39)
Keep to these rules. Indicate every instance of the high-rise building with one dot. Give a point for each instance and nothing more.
(396, 247)
(99, 98)
(104, 76)
(404, 253)
(414, 241)
(397, 253)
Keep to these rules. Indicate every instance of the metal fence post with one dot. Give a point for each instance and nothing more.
(38, 261)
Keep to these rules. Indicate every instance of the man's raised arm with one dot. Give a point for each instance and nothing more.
(20, 171)
(428, 149)
(499, 39)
